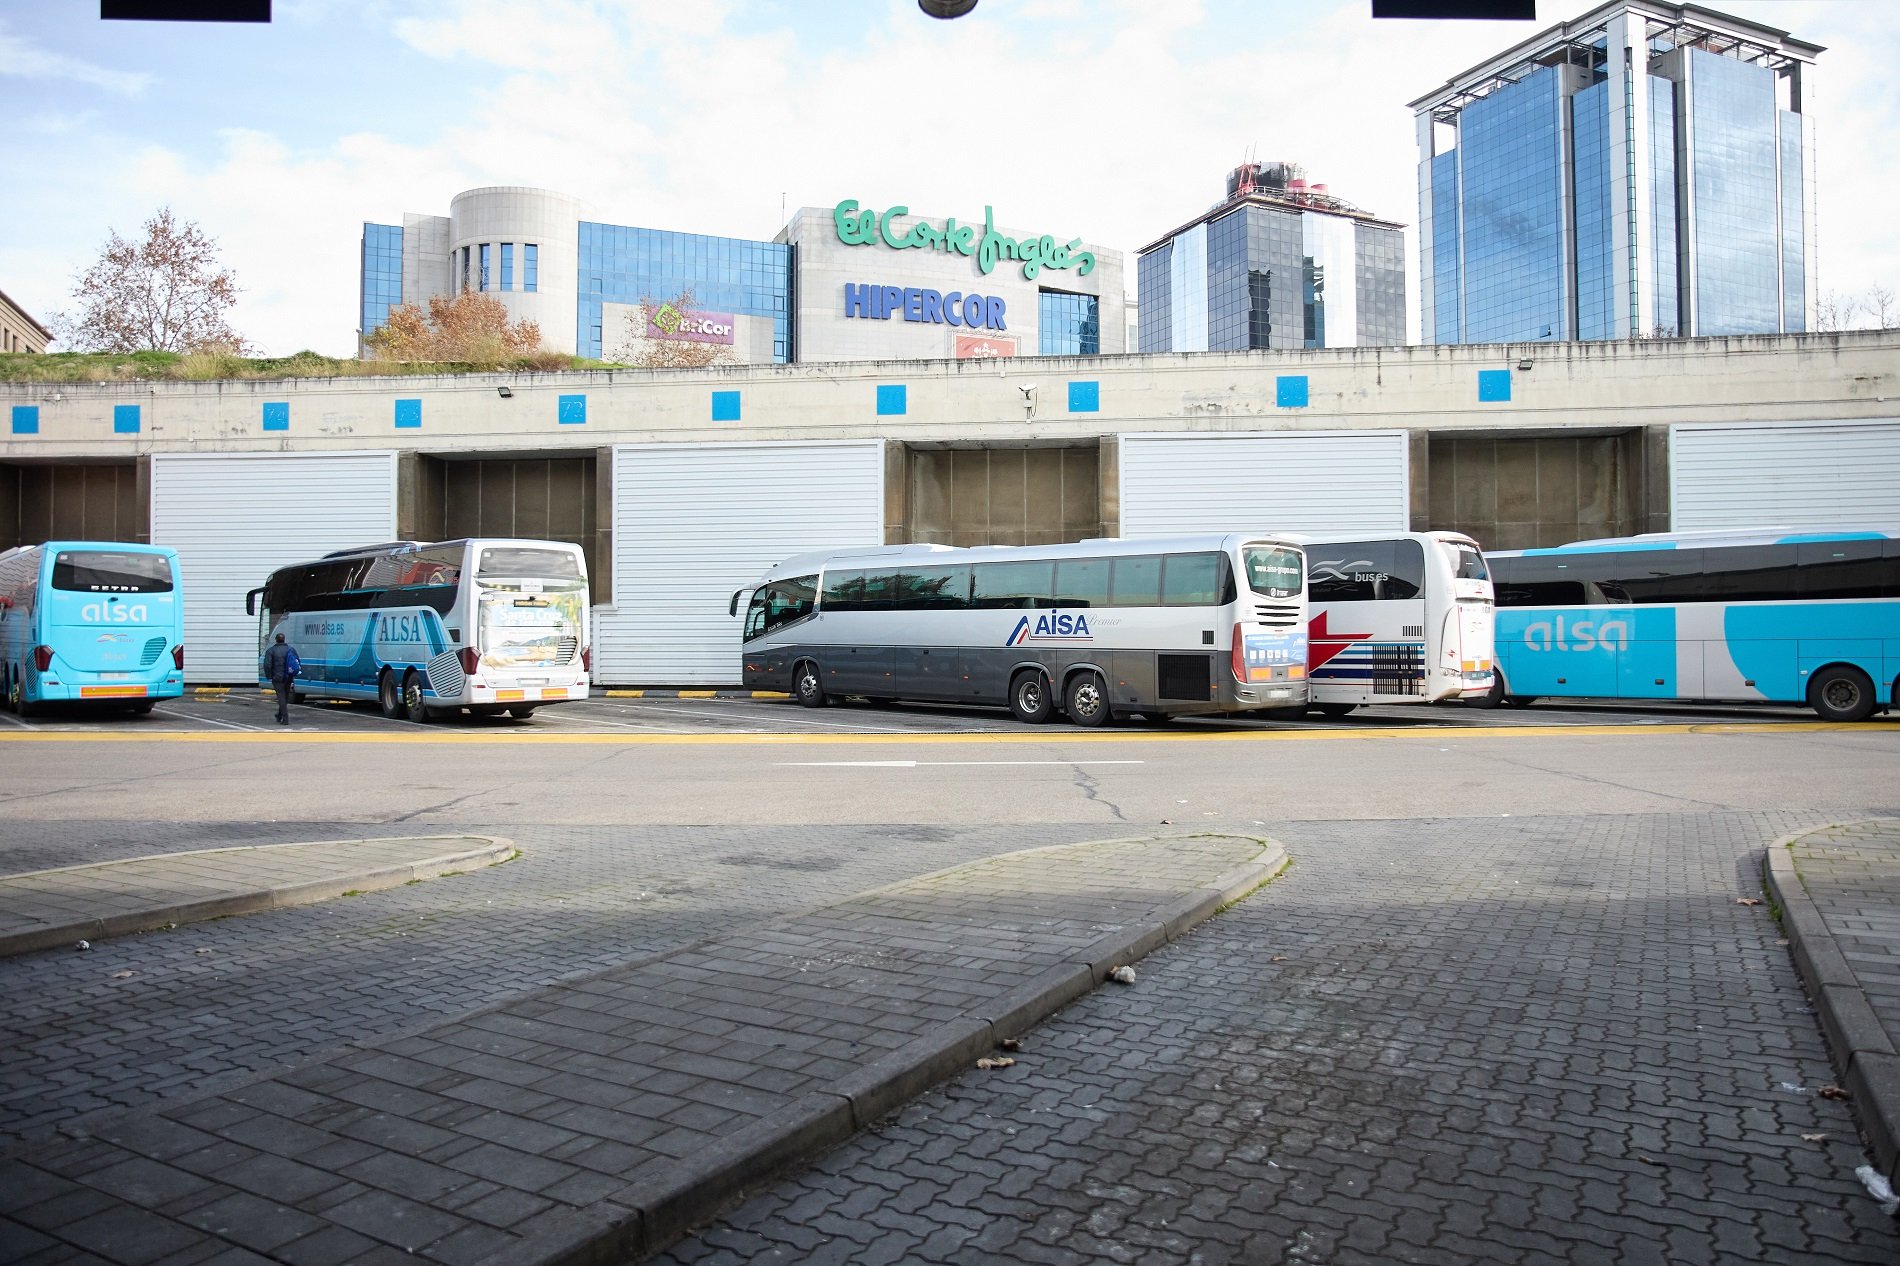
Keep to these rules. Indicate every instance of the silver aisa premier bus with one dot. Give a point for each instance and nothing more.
(1162, 627)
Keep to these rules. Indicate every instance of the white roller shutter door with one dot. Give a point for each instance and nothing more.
(693, 523)
(235, 518)
(1794, 475)
(1301, 481)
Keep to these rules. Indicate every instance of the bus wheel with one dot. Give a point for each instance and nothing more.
(1492, 697)
(143, 708)
(17, 700)
(1029, 698)
(389, 696)
(1520, 701)
(1088, 700)
(1841, 693)
(1334, 710)
(806, 684)
(412, 696)
(521, 714)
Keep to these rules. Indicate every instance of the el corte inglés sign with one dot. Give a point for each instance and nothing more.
(869, 228)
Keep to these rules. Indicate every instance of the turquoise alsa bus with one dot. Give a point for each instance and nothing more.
(99, 623)
(1769, 615)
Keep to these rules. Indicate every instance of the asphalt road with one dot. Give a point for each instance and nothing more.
(1504, 991)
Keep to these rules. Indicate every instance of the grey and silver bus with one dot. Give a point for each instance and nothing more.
(1099, 629)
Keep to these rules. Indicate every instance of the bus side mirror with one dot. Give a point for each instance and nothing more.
(250, 600)
(732, 608)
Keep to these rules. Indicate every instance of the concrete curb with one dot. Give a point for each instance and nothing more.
(656, 1212)
(246, 901)
(1862, 1050)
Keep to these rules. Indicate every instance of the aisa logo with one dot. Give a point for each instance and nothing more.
(113, 613)
(1577, 635)
(1051, 626)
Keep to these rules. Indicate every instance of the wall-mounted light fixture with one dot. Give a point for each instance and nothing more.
(504, 392)
(1525, 364)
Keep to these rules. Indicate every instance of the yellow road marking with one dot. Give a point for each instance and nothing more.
(1433, 734)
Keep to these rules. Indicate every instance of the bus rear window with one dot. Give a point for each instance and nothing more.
(520, 562)
(1273, 571)
(108, 571)
(1467, 562)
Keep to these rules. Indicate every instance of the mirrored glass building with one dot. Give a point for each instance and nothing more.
(1279, 263)
(1644, 170)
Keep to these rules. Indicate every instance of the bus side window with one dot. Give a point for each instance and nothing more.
(1405, 578)
(1009, 586)
(1847, 569)
(1191, 580)
(1135, 581)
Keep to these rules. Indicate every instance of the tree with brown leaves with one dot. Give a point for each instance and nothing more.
(166, 293)
(472, 329)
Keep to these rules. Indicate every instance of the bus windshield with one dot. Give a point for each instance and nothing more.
(1273, 571)
(109, 571)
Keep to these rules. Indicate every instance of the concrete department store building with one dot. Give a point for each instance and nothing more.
(684, 485)
(846, 282)
(1646, 169)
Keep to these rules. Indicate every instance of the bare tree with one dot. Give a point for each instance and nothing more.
(472, 328)
(1881, 307)
(639, 347)
(167, 293)
(1835, 311)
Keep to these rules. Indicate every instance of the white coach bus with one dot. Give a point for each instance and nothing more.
(484, 624)
(1401, 617)
(1161, 627)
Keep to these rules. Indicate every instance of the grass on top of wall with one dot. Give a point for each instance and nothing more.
(218, 366)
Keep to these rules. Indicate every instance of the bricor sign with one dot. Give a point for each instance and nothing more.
(881, 303)
(669, 322)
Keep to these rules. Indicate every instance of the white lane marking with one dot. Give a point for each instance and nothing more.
(913, 764)
(190, 716)
(625, 725)
(840, 725)
(17, 721)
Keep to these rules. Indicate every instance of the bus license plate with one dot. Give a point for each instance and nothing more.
(113, 676)
(1278, 694)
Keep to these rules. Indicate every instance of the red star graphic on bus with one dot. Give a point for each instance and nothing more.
(1322, 644)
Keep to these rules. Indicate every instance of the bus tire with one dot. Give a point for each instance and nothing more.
(1520, 701)
(1841, 692)
(1029, 698)
(807, 685)
(1492, 697)
(412, 701)
(1334, 710)
(17, 700)
(389, 696)
(143, 708)
(1088, 699)
(521, 714)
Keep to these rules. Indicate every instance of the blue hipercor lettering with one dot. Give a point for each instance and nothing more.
(929, 307)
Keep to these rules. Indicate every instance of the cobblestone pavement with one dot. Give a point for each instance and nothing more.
(1523, 1040)
(144, 1019)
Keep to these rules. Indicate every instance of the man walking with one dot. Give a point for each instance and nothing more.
(282, 665)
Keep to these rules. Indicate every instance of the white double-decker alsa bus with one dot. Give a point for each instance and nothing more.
(488, 625)
(1400, 617)
(1099, 629)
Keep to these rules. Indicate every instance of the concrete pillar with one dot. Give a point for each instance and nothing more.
(141, 495)
(1109, 453)
(897, 524)
(602, 581)
(1418, 475)
(1651, 503)
(410, 522)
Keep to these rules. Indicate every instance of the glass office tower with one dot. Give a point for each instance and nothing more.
(1644, 170)
(1280, 263)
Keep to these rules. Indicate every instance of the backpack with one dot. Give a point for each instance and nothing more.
(293, 663)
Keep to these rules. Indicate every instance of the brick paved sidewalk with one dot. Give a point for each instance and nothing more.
(597, 1120)
(43, 908)
(1839, 889)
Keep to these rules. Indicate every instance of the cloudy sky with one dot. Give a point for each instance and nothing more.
(1111, 119)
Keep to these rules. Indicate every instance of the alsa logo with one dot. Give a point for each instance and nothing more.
(113, 613)
(1051, 626)
(400, 628)
(1577, 635)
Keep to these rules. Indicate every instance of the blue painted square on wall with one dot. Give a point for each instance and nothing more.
(891, 400)
(408, 413)
(1290, 391)
(725, 406)
(277, 415)
(125, 419)
(1085, 397)
(573, 410)
(1494, 384)
(26, 419)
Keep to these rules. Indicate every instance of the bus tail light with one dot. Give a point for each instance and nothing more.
(178, 656)
(1240, 656)
(471, 660)
(42, 657)
(587, 658)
